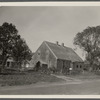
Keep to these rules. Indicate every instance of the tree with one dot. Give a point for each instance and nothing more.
(89, 41)
(8, 33)
(11, 44)
(21, 51)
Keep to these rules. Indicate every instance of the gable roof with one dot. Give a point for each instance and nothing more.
(63, 52)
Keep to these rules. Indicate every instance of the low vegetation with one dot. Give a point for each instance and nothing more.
(26, 79)
(95, 75)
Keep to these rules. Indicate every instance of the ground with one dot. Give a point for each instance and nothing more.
(71, 86)
(26, 79)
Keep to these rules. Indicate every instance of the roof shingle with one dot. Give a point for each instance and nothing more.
(63, 52)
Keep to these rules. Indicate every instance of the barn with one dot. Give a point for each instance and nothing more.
(58, 57)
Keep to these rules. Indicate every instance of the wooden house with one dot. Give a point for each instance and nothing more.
(12, 64)
(56, 56)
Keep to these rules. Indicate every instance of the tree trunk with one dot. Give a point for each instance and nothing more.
(3, 63)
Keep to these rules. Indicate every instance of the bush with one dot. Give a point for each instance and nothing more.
(11, 71)
(53, 70)
(97, 72)
(76, 72)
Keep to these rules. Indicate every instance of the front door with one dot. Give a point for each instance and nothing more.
(37, 67)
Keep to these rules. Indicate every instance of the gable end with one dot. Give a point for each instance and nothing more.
(50, 50)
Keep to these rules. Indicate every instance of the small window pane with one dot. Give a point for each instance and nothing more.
(80, 66)
(8, 64)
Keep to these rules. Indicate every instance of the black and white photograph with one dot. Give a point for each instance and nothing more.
(50, 50)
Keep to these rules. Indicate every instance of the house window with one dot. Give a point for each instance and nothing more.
(8, 64)
(80, 66)
(77, 66)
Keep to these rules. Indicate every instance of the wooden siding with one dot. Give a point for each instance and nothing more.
(45, 56)
(63, 66)
(78, 66)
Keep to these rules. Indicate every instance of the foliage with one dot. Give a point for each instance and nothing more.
(21, 51)
(8, 35)
(11, 44)
(89, 41)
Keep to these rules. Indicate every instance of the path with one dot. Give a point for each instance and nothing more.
(66, 78)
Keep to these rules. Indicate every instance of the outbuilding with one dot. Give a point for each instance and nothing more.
(58, 57)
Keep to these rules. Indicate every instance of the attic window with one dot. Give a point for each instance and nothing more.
(77, 66)
(38, 52)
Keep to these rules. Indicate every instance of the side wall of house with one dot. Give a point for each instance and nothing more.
(45, 56)
(78, 66)
(63, 66)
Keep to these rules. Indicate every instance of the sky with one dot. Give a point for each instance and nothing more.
(56, 23)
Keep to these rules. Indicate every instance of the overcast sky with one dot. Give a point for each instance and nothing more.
(38, 24)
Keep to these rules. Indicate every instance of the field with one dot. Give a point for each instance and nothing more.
(47, 84)
(87, 76)
(37, 77)
(26, 79)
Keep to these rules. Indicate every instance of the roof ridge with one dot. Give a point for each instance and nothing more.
(58, 45)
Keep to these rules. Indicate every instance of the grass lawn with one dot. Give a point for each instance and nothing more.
(87, 76)
(25, 79)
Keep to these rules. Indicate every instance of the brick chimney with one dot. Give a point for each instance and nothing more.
(57, 42)
(62, 44)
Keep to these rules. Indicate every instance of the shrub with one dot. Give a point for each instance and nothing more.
(76, 72)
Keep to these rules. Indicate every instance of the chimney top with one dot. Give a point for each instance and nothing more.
(62, 44)
(57, 42)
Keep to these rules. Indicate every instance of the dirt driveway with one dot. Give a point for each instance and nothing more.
(75, 87)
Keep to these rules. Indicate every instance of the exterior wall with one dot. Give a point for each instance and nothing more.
(78, 66)
(45, 56)
(63, 66)
(10, 63)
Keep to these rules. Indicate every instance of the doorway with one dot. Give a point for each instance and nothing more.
(37, 66)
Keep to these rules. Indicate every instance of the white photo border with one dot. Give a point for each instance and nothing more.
(75, 3)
